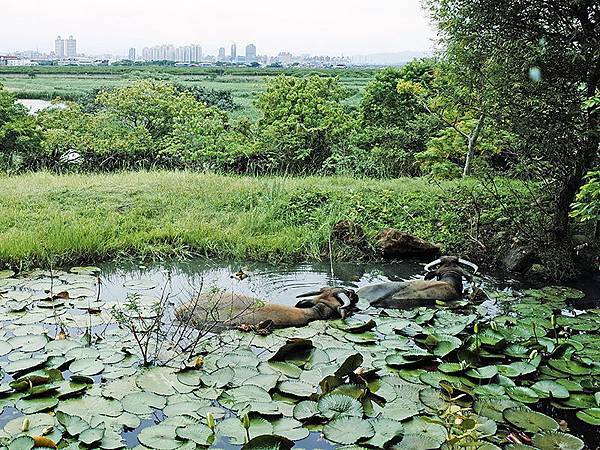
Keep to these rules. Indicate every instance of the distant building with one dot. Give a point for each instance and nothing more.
(233, 52)
(221, 54)
(251, 53)
(59, 48)
(185, 54)
(132, 54)
(71, 47)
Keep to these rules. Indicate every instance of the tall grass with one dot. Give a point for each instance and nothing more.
(68, 219)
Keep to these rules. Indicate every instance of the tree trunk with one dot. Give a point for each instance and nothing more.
(471, 146)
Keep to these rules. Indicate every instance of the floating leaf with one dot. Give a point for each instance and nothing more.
(348, 430)
(296, 388)
(554, 440)
(290, 429)
(549, 388)
(158, 380)
(198, 433)
(162, 437)
(335, 405)
(420, 434)
(386, 430)
(306, 409)
(591, 416)
(142, 403)
(530, 421)
(268, 442)
(22, 443)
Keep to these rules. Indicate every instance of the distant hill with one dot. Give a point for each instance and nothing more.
(388, 59)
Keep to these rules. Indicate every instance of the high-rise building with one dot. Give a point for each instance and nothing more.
(71, 47)
(132, 54)
(233, 52)
(59, 48)
(251, 53)
(221, 54)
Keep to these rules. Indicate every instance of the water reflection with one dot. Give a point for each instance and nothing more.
(279, 284)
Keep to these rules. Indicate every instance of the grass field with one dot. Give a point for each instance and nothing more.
(68, 219)
(244, 85)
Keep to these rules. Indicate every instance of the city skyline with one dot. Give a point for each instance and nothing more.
(317, 28)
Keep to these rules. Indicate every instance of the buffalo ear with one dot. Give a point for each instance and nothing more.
(305, 304)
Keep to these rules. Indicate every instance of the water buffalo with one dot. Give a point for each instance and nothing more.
(230, 309)
(443, 281)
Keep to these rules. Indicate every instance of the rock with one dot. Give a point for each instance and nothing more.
(394, 243)
(519, 259)
(349, 233)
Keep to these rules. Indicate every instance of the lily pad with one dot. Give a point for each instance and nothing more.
(556, 440)
(161, 437)
(530, 421)
(305, 410)
(198, 433)
(335, 405)
(420, 434)
(386, 430)
(348, 430)
(142, 403)
(591, 416)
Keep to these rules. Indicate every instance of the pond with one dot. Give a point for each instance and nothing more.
(36, 105)
(521, 366)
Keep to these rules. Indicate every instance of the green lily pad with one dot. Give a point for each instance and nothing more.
(161, 437)
(26, 364)
(419, 434)
(554, 440)
(92, 435)
(198, 433)
(530, 421)
(22, 443)
(158, 380)
(142, 403)
(296, 388)
(522, 394)
(591, 416)
(305, 410)
(348, 430)
(86, 366)
(35, 405)
(335, 405)
(289, 428)
(483, 373)
(386, 430)
(268, 442)
(549, 388)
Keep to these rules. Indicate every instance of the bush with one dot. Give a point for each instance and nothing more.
(20, 140)
(303, 124)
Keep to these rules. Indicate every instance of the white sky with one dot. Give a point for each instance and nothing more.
(331, 27)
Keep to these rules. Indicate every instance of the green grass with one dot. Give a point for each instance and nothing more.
(244, 86)
(68, 219)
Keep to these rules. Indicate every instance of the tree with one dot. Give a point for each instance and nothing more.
(394, 125)
(20, 140)
(542, 61)
(303, 122)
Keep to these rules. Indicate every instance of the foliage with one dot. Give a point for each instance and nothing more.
(540, 65)
(19, 136)
(303, 123)
(587, 204)
(455, 375)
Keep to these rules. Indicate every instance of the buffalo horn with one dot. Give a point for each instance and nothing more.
(464, 262)
(344, 298)
(432, 264)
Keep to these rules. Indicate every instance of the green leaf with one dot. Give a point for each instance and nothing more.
(335, 405)
(161, 437)
(553, 440)
(198, 433)
(591, 416)
(142, 403)
(386, 430)
(348, 430)
(421, 434)
(22, 443)
(528, 420)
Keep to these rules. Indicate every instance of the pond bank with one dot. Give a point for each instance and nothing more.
(48, 219)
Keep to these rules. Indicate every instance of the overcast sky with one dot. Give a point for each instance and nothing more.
(331, 27)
